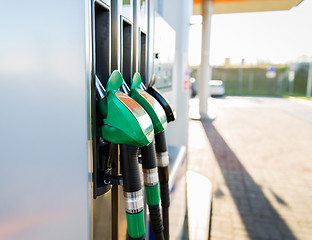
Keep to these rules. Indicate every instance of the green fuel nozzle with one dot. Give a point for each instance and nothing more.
(149, 103)
(125, 121)
(149, 162)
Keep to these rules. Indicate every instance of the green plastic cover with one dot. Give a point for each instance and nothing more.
(150, 104)
(125, 121)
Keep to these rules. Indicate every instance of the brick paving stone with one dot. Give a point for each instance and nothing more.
(257, 154)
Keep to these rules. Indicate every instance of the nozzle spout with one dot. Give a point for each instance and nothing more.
(152, 82)
(100, 91)
(124, 88)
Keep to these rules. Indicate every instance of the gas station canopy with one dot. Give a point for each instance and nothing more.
(240, 6)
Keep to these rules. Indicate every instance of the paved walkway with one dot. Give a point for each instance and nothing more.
(258, 155)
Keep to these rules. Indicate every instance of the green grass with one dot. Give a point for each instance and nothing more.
(301, 96)
(250, 93)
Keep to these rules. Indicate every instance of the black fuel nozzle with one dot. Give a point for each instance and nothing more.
(163, 157)
(161, 99)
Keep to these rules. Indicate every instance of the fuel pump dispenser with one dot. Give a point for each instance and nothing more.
(162, 156)
(125, 122)
(149, 163)
(123, 41)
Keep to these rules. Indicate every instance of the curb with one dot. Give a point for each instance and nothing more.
(299, 100)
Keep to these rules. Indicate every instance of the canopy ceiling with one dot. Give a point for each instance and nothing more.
(239, 6)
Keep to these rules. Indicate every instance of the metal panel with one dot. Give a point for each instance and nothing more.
(44, 167)
(164, 52)
(101, 59)
(143, 14)
(150, 40)
(127, 9)
(179, 21)
(126, 49)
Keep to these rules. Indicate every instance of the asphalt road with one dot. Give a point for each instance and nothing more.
(257, 153)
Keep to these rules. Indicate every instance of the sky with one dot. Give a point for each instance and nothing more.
(266, 37)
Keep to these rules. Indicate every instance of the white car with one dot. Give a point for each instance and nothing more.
(216, 88)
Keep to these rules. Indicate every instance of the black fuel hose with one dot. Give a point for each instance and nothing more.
(132, 188)
(151, 183)
(163, 172)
